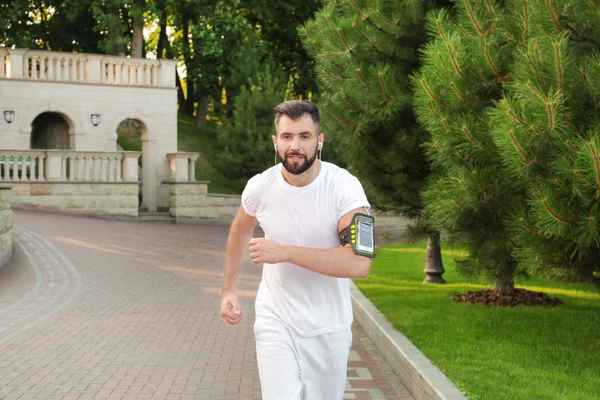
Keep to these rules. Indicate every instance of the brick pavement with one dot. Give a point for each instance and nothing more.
(97, 309)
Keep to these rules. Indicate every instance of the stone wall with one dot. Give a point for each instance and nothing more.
(189, 200)
(6, 224)
(388, 220)
(104, 199)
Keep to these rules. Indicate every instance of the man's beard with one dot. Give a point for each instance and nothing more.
(297, 168)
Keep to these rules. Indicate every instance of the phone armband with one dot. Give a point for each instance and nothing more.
(360, 234)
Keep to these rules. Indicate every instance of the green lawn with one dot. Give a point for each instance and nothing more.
(492, 353)
(192, 139)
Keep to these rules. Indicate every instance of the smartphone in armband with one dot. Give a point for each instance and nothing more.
(365, 236)
(360, 234)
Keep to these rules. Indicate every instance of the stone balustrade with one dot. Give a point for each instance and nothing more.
(133, 72)
(183, 166)
(68, 166)
(17, 165)
(98, 183)
(51, 66)
(6, 223)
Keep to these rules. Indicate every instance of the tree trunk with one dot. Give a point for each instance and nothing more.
(190, 99)
(137, 40)
(505, 284)
(434, 267)
(201, 111)
(163, 40)
(163, 50)
(585, 274)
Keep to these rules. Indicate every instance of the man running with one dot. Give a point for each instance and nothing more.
(303, 307)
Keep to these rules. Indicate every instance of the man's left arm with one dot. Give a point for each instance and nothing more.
(339, 262)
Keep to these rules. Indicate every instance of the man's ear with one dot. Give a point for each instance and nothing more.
(274, 139)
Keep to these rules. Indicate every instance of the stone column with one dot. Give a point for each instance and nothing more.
(192, 168)
(167, 73)
(94, 68)
(179, 164)
(6, 223)
(149, 178)
(15, 68)
(53, 167)
(130, 166)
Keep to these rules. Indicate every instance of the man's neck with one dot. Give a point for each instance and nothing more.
(304, 178)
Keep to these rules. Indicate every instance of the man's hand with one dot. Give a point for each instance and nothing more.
(231, 311)
(266, 251)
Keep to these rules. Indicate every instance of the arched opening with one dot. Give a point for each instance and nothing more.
(50, 130)
(129, 138)
(129, 135)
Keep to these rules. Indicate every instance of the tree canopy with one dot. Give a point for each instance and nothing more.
(507, 92)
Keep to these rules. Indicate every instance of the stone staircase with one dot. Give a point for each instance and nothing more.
(160, 216)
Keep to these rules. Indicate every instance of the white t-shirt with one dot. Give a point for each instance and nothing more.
(307, 302)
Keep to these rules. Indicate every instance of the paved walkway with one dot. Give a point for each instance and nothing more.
(91, 308)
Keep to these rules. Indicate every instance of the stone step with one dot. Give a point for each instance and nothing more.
(160, 209)
(158, 217)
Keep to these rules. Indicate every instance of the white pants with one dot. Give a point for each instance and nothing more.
(296, 368)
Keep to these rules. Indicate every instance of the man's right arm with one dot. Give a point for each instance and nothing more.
(237, 244)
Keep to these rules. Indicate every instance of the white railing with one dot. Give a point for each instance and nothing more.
(183, 166)
(92, 167)
(68, 166)
(135, 72)
(17, 166)
(53, 66)
(37, 65)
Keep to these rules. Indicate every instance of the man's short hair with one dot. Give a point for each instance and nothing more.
(295, 109)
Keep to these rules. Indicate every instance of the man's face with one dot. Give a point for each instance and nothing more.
(297, 143)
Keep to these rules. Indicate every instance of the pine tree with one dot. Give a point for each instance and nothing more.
(365, 52)
(547, 130)
(503, 93)
(465, 70)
